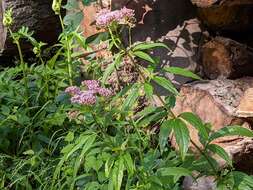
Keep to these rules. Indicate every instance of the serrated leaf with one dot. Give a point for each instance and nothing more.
(182, 72)
(182, 135)
(147, 46)
(165, 83)
(144, 56)
(230, 131)
(220, 152)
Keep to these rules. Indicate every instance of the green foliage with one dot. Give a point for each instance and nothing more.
(47, 142)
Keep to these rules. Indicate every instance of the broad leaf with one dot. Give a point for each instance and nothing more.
(148, 88)
(129, 164)
(131, 98)
(181, 133)
(230, 131)
(165, 83)
(196, 122)
(174, 171)
(117, 173)
(147, 46)
(144, 56)
(164, 133)
(182, 72)
(220, 152)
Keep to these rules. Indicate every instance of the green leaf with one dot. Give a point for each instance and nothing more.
(73, 20)
(196, 122)
(182, 72)
(70, 137)
(230, 131)
(174, 171)
(165, 83)
(89, 141)
(147, 46)
(242, 181)
(71, 4)
(164, 133)
(117, 173)
(148, 88)
(112, 67)
(144, 56)
(87, 2)
(182, 136)
(131, 99)
(221, 152)
(108, 166)
(129, 164)
(28, 152)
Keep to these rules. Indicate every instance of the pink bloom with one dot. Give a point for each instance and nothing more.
(73, 90)
(84, 98)
(91, 84)
(105, 17)
(104, 92)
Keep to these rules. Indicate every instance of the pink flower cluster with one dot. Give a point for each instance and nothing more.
(106, 17)
(88, 96)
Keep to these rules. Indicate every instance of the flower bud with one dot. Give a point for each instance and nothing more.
(7, 18)
(56, 6)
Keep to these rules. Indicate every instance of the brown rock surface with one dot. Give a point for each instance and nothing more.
(226, 15)
(226, 58)
(245, 108)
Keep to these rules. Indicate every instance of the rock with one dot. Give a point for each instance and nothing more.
(202, 183)
(226, 15)
(217, 102)
(245, 108)
(37, 15)
(209, 3)
(226, 58)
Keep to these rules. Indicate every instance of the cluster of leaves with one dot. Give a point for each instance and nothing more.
(107, 146)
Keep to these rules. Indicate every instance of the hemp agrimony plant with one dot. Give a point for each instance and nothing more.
(119, 146)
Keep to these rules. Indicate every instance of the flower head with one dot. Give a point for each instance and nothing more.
(84, 98)
(105, 92)
(88, 96)
(105, 17)
(73, 90)
(91, 84)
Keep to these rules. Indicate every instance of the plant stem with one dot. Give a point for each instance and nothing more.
(23, 65)
(62, 23)
(113, 38)
(206, 156)
(69, 62)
